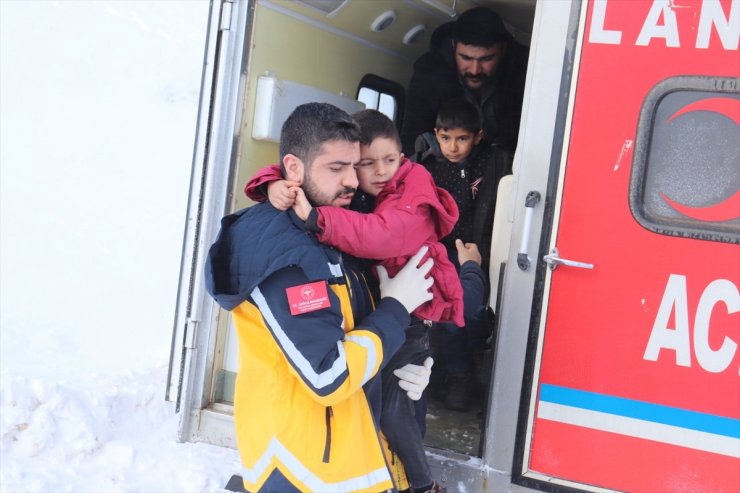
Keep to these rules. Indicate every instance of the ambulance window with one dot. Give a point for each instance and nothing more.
(685, 177)
(383, 95)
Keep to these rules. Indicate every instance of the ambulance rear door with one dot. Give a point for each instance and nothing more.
(631, 377)
(214, 156)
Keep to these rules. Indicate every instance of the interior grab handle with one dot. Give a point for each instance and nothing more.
(553, 260)
(522, 259)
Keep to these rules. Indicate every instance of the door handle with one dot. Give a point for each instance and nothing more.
(522, 259)
(553, 260)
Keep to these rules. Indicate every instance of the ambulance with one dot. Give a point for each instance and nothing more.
(615, 265)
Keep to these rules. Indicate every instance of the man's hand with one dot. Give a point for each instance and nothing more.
(281, 193)
(467, 251)
(414, 378)
(301, 206)
(411, 285)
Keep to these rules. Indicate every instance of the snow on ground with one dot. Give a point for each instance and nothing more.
(98, 104)
(114, 433)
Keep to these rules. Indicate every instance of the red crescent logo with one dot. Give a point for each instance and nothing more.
(724, 211)
(729, 107)
(729, 208)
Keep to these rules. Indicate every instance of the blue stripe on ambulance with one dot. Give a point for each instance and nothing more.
(692, 429)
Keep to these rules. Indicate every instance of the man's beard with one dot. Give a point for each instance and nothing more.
(316, 198)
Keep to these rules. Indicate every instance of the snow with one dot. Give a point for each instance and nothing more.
(98, 105)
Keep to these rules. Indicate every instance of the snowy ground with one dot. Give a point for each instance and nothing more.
(98, 103)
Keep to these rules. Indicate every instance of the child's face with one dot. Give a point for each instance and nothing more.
(379, 161)
(456, 143)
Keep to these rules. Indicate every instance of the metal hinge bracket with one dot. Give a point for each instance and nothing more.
(227, 6)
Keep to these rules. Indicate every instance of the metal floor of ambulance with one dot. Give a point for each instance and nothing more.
(454, 430)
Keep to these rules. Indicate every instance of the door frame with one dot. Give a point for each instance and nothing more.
(214, 156)
(547, 105)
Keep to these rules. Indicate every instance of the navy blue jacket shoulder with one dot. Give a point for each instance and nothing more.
(256, 242)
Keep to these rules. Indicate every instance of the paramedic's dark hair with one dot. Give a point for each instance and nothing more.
(312, 124)
(373, 125)
(480, 26)
(458, 113)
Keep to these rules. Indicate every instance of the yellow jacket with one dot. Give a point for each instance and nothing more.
(305, 393)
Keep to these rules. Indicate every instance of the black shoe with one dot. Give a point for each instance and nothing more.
(459, 391)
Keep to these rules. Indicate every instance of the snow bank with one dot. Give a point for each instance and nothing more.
(98, 104)
(115, 434)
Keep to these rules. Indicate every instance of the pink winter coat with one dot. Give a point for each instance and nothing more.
(410, 211)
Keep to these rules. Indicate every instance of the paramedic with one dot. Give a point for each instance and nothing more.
(311, 335)
(474, 58)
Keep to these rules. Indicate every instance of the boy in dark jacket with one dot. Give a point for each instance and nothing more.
(470, 172)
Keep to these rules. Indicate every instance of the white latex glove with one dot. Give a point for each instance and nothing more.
(411, 285)
(414, 378)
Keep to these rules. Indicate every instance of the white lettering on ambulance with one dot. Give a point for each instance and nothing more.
(598, 34)
(678, 338)
(728, 29)
(661, 23)
(651, 29)
(715, 361)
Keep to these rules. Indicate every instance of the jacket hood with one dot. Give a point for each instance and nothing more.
(442, 36)
(256, 242)
(440, 57)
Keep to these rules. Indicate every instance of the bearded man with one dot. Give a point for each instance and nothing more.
(474, 58)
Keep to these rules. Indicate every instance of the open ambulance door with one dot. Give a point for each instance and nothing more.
(219, 111)
(617, 360)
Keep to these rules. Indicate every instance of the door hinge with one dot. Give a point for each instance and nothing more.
(191, 328)
(226, 8)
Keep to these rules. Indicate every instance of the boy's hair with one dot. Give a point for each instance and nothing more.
(374, 125)
(458, 113)
(310, 126)
(480, 26)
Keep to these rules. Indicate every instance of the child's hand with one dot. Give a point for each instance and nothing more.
(281, 194)
(467, 251)
(301, 206)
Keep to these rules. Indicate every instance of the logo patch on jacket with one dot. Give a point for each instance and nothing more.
(308, 297)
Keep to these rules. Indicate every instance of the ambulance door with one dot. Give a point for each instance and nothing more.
(632, 368)
(196, 318)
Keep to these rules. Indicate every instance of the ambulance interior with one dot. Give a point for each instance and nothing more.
(341, 51)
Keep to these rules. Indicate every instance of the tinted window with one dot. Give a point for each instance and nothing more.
(686, 170)
(383, 95)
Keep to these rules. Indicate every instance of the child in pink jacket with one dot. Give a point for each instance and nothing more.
(407, 211)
